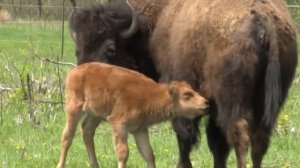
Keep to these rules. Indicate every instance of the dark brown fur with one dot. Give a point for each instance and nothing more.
(96, 33)
(240, 54)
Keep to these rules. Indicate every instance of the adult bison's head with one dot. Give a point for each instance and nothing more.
(101, 32)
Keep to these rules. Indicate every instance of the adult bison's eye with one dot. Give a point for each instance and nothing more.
(111, 50)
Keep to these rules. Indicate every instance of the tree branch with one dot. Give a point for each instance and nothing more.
(53, 61)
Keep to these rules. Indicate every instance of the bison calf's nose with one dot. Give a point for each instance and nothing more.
(206, 104)
(203, 103)
(205, 110)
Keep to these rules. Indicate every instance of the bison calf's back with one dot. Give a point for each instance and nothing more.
(129, 101)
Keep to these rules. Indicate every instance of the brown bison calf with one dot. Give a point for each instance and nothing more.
(129, 101)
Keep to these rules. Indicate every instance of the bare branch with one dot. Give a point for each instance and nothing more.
(53, 61)
(48, 102)
(30, 99)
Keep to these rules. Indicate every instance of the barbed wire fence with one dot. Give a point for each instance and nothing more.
(51, 12)
(46, 10)
(31, 12)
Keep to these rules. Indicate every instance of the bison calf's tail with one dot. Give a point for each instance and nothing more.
(273, 92)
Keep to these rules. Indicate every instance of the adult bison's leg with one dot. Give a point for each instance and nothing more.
(223, 132)
(260, 135)
(239, 138)
(187, 132)
(89, 125)
(217, 144)
(259, 144)
(260, 132)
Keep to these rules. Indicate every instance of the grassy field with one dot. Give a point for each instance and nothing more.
(34, 143)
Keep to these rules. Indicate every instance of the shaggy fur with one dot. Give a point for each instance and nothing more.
(129, 101)
(240, 54)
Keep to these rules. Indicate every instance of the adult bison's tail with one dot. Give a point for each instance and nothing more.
(273, 92)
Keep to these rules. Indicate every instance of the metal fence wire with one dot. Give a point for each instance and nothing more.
(33, 12)
(19, 10)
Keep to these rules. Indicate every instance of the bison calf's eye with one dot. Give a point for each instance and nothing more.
(187, 95)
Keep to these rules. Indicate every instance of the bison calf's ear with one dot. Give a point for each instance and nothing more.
(173, 91)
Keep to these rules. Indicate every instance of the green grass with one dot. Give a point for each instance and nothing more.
(16, 39)
(25, 143)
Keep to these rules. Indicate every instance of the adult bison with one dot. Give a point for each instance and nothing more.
(241, 54)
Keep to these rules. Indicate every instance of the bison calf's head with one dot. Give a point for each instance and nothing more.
(187, 102)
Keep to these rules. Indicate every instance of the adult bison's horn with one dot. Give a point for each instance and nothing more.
(72, 32)
(134, 24)
(73, 35)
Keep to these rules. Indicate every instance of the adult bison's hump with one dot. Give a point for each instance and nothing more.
(191, 36)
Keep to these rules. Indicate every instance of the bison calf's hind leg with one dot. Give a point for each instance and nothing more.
(89, 126)
(144, 147)
(73, 117)
(121, 146)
